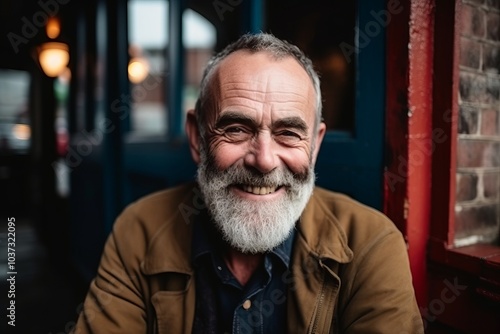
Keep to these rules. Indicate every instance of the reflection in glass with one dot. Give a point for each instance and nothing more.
(148, 67)
(15, 127)
(199, 38)
(323, 29)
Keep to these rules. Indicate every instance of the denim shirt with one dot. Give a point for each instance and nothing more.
(223, 305)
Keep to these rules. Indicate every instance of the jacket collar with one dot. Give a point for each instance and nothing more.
(170, 248)
(322, 233)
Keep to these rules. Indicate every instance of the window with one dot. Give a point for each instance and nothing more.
(477, 209)
(346, 42)
(199, 39)
(15, 127)
(326, 33)
(148, 66)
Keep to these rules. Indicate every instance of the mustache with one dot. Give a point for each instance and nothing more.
(245, 175)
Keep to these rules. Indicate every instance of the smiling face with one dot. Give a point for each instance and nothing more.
(256, 160)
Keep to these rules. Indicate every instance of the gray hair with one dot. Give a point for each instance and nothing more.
(261, 42)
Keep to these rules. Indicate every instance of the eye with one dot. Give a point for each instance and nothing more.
(237, 133)
(289, 134)
(234, 129)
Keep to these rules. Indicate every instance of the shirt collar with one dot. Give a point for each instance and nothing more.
(207, 240)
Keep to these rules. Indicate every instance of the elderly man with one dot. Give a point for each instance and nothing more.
(253, 247)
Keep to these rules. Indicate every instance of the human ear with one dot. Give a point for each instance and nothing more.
(318, 139)
(193, 135)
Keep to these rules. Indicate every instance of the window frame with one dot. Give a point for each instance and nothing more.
(478, 264)
(475, 259)
(420, 196)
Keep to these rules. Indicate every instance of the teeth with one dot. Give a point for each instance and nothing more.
(259, 190)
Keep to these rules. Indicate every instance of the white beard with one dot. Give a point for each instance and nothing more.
(253, 226)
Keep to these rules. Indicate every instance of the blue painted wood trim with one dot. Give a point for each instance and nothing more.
(253, 16)
(175, 73)
(353, 162)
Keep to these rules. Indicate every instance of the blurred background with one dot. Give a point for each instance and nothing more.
(93, 96)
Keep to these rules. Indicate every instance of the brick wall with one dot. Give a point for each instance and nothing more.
(478, 157)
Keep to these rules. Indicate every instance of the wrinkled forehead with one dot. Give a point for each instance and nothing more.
(254, 65)
(261, 72)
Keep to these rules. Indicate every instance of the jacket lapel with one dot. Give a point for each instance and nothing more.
(168, 266)
(320, 246)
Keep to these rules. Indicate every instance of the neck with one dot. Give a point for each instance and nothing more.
(242, 265)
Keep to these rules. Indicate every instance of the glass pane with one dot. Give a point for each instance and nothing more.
(199, 39)
(477, 208)
(324, 30)
(148, 40)
(15, 125)
(62, 170)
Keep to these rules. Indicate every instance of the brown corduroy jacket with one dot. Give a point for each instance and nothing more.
(349, 270)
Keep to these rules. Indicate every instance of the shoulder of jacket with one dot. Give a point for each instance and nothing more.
(154, 211)
(341, 204)
(353, 216)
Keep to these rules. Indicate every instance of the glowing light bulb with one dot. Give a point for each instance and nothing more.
(138, 70)
(54, 58)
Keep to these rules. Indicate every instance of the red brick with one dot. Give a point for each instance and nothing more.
(466, 21)
(473, 20)
(493, 4)
(490, 122)
(470, 53)
(491, 185)
(466, 186)
(467, 120)
(478, 153)
(491, 156)
(491, 58)
(492, 89)
(493, 26)
(469, 153)
(480, 220)
(473, 87)
(478, 21)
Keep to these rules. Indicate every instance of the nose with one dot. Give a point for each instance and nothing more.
(262, 154)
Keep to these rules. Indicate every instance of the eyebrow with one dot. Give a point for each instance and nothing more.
(291, 122)
(231, 117)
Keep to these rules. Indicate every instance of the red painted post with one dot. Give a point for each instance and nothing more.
(409, 131)
(420, 144)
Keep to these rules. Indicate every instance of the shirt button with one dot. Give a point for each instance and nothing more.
(247, 304)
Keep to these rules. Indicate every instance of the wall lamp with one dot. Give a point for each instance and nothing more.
(53, 56)
(138, 66)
